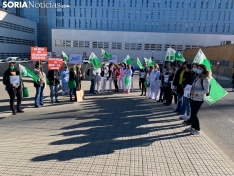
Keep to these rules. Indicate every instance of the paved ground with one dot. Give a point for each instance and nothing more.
(107, 134)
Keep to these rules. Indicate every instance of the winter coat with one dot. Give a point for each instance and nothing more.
(6, 80)
(188, 78)
(199, 91)
(52, 80)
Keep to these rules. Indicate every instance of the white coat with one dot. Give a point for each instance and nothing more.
(154, 87)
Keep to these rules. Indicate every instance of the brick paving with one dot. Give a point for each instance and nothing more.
(107, 134)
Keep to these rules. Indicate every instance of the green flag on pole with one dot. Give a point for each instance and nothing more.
(179, 57)
(139, 63)
(173, 55)
(27, 73)
(128, 60)
(216, 91)
(65, 57)
(93, 59)
(106, 54)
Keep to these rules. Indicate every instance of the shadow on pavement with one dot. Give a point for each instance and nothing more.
(113, 123)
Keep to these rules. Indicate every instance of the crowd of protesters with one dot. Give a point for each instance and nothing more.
(165, 85)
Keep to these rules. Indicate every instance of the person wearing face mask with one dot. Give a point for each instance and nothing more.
(194, 70)
(65, 79)
(53, 78)
(12, 89)
(142, 75)
(123, 75)
(104, 73)
(110, 78)
(167, 84)
(115, 76)
(39, 85)
(154, 87)
(201, 86)
(128, 77)
(177, 83)
(72, 77)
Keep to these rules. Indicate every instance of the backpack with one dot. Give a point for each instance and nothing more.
(203, 87)
(87, 73)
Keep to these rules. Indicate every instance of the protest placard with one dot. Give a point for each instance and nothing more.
(55, 63)
(75, 58)
(38, 53)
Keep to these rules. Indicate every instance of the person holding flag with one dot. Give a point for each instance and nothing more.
(200, 88)
(13, 89)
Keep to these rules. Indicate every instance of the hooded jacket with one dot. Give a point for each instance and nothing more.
(199, 92)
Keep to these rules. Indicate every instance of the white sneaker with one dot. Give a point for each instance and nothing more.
(184, 117)
(195, 132)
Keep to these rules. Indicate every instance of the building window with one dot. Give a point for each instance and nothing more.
(134, 26)
(194, 16)
(123, 25)
(152, 26)
(129, 25)
(158, 4)
(168, 26)
(80, 12)
(113, 13)
(130, 3)
(127, 45)
(113, 3)
(175, 26)
(199, 27)
(147, 14)
(138, 46)
(96, 24)
(136, 14)
(164, 14)
(194, 5)
(70, 12)
(101, 24)
(216, 27)
(84, 12)
(108, 4)
(102, 13)
(182, 15)
(211, 27)
(133, 46)
(232, 4)
(177, 4)
(204, 27)
(219, 15)
(187, 15)
(192, 26)
(75, 23)
(146, 25)
(159, 14)
(74, 12)
(69, 22)
(118, 24)
(182, 4)
(180, 26)
(199, 15)
(202, 3)
(147, 47)
(175, 14)
(91, 12)
(154, 4)
(229, 16)
(211, 15)
(129, 14)
(207, 4)
(87, 44)
(223, 27)
(95, 12)
(165, 3)
(79, 23)
(91, 2)
(135, 3)
(118, 13)
(97, 3)
(106, 13)
(207, 15)
(108, 24)
(170, 15)
(179, 48)
(140, 13)
(80, 2)
(113, 46)
(59, 23)
(101, 2)
(81, 44)
(228, 30)
(152, 14)
(224, 15)
(187, 24)
(90, 23)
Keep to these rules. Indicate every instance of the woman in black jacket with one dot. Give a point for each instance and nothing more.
(73, 77)
(53, 78)
(168, 88)
(78, 77)
(13, 90)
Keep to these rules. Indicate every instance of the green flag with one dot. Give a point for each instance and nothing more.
(65, 57)
(27, 73)
(216, 91)
(128, 60)
(170, 55)
(106, 54)
(179, 57)
(139, 63)
(93, 59)
(151, 63)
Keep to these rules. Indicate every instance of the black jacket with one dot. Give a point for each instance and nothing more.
(188, 78)
(52, 80)
(6, 80)
(177, 77)
(72, 76)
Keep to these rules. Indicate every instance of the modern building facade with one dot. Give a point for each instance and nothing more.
(17, 35)
(221, 54)
(136, 44)
(166, 16)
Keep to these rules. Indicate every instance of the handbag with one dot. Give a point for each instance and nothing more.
(72, 84)
(25, 92)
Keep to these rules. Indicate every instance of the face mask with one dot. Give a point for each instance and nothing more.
(199, 71)
(12, 67)
(195, 70)
(170, 71)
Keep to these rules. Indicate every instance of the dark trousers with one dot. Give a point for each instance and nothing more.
(195, 106)
(142, 85)
(168, 95)
(74, 92)
(175, 98)
(12, 93)
(116, 85)
(92, 86)
(161, 97)
(164, 93)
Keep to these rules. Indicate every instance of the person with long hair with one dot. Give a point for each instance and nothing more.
(73, 77)
(154, 87)
(123, 75)
(39, 85)
(65, 79)
(201, 86)
(53, 77)
(79, 75)
(12, 89)
(104, 74)
(110, 78)
(115, 76)
(168, 90)
(128, 79)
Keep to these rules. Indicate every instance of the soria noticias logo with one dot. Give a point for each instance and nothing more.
(32, 4)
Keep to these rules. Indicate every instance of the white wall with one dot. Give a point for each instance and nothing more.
(133, 37)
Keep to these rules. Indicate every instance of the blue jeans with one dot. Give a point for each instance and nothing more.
(186, 106)
(92, 86)
(39, 97)
(54, 92)
(180, 105)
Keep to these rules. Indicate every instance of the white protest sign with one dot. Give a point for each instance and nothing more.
(113, 60)
(166, 77)
(75, 58)
(15, 80)
(187, 90)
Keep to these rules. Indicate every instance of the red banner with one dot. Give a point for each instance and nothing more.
(55, 63)
(38, 53)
